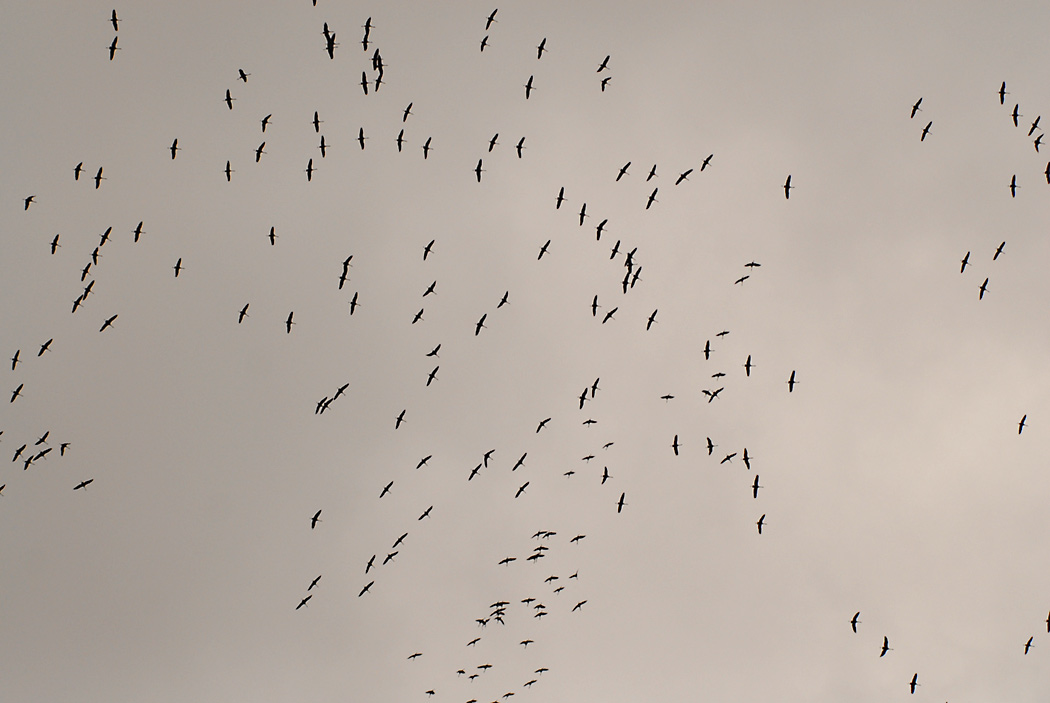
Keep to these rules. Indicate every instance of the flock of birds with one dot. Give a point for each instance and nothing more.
(542, 594)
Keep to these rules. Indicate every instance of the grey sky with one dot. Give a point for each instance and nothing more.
(894, 481)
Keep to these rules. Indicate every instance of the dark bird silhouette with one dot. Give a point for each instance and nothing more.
(1028, 645)
(1035, 125)
(432, 376)
(406, 113)
(914, 682)
(107, 323)
(652, 199)
(791, 382)
(915, 108)
(543, 249)
(323, 147)
(353, 303)
(137, 231)
(675, 444)
(478, 171)
(747, 462)
(748, 366)
(427, 249)
(540, 49)
(479, 325)
(965, 261)
(178, 267)
(561, 198)
(400, 418)
(315, 519)
(761, 522)
(371, 562)
(609, 315)
(313, 583)
(652, 174)
(418, 316)
(14, 359)
(55, 245)
(741, 280)
(683, 176)
(982, 289)
(623, 171)
(1002, 93)
(728, 458)
(707, 350)
(855, 621)
(310, 170)
(400, 140)
(426, 513)
(1020, 425)
(605, 82)
(228, 171)
(99, 178)
(317, 123)
(651, 320)
(386, 489)
(755, 487)
(229, 99)
(29, 201)
(520, 146)
(272, 236)
(76, 171)
(706, 162)
(925, 131)
(113, 48)
(242, 314)
(604, 64)
(484, 43)
(265, 121)
(788, 187)
(426, 148)
(434, 351)
(174, 148)
(288, 323)
(583, 214)
(490, 19)
(493, 142)
(1015, 114)
(83, 484)
(46, 346)
(113, 19)
(885, 646)
(521, 489)
(430, 289)
(529, 88)
(998, 251)
(365, 589)
(620, 503)
(361, 137)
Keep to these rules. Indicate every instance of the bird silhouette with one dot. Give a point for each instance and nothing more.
(915, 108)
(315, 519)
(856, 617)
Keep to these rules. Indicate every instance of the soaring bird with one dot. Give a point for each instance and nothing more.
(998, 251)
(113, 19)
(478, 171)
(427, 249)
(1035, 125)
(521, 489)
(747, 462)
(83, 484)
(490, 19)
(683, 176)
(17, 392)
(365, 589)
(137, 231)
(315, 519)
(480, 324)
(885, 646)
(915, 681)
(855, 621)
(304, 600)
(46, 346)
(317, 123)
(965, 261)
(791, 382)
(323, 147)
(1028, 645)
(310, 170)
(543, 249)
(432, 376)
(605, 82)
(1015, 114)
(243, 314)
(178, 267)
(76, 171)
(265, 121)
(540, 49)
(288, 323)
(14, 359)
(242, 75)
(426, 148)
(915, 108)
(361, 137)
(675, 445)
(521, 146)
(652, 319)
(98, 178)
(788, 187)
(652, 174)
(426, 513)
(493, 142)
(529, 88)
(583, 214)
(484, 43)
(400, 418)
(755, 487)
(229, 99)
(623, 171)
(982, 289)
(1002, 93)
(107, 323)
(354, 303)
(652, 199)
(706, 162)
(113, 48)
(748, 366)
(174, 148)
(1020, 425)
(620, 503)
(604, 64)
(761, 522)
(386, 489)
(54, 245)
(406, 113)
(29, 201)
(228, 171)
(609, 315)
(925, 131)
(561, 197)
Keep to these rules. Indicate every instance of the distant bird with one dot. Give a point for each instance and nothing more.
(418, 316)
(99, 178)
(620, 503)
(609, 315)
(228, 171)
(605, 82)
(706, 162)
(310, 170)
(400, 140)
(652, 199)
(675, 445)
(14, 359)
(83, 484)
(652, 319)
(1015, 114)
(983, 288)
(965, 261)
(478, 171)
(885, 646)
(521, 489)
(623, 171)
(365, 589)
(242, 75)
(62, 448)
(925, 131)
(113, 48)
(46, 346)
(583, 214)
(1037, 142)
(413, 656)
(55, 245)
(728, 458)
(229, 99)
(561, 198)
(361, 137)
(113, 19)
(788, 187)
(915, 108)
(914, 682)
(265, 121)
(521, 146)
(174, 148)
(178, 267)
(432, 376)
(371, 562)
(400, 418)
(1028, 645)
(747, 462)
(313, 583)
(1020, 425)
(353, 303)
(434, 351)
(543, 249)
(761, 521)
(427, 249)
(707, 350)
(426, 513)
(748, 366)
(107, 323)
(137, 231)
(315, 519)
(529, 88)
(426, 148)
(76, 171)
(755, 487)
(683, 176)
(652, 174)
(491, 18)
(998, 251)
(317, 123)
(503, 300)
(791, 382)
(484, 42)
(855, 621)
(288, 323)
(604, 64)
(543, 423)
(323, 147)
(479, 325)
(493, 142)
(406, 113)
(1002, 93)
(386, 489)
(272, 236)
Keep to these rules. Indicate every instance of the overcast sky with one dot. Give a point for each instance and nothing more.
(893, 479)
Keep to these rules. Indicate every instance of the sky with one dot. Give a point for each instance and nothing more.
(893, 478)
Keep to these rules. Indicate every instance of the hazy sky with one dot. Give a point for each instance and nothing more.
(893, 478)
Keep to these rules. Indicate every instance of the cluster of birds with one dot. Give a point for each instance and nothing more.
(500, 611)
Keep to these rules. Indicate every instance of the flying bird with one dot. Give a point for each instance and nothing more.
(113, 48)
(406, 113)
(174, 148)
(1035, 125)
(432, 376)
(982, 289)
(228, 171)
(925, 131)
(998, 251)
(706, 162)
(107, 323)
(17, 392)
(361, 137)
(386, 489)
(113, 19)
(652, 319)
(315, 519)
(46, 346)
(1028, 645)
(915, 108)
(529, 88)
(478, 171)
(32, 199)
(675, 444)
(317, 123)
(14, 359)
(484, 43)
(428, 248)
(288, 323)
(855, 621)
(623, 171)
(788, 187)
(965, 261)
(652, 199)
(365, 589)
(491, 18)
(480, 324)
(605, 82)
(521, 146)
(426, 148)
(561, 197)
(99, 178)
(791, 382)
(748, 366)
(229, 99)
(620, 503)
(76, 171)
(915, 682)
(652, 174)
(1002, 93)
(1020, 425)
(683, 176)
(83, 484)
(604, 64)
(761, 522)
(1015, 114)
(755, 487)
(55, 245)
(400, 418)
(543, 249)
(885, 646)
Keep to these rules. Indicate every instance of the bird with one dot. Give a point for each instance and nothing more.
(361, 137)
(137, 231)
(427, 249)
(1015, 114)
(272, 236)
(365, 589)
(529, 87)
(503, 301)
(998, 251)
(178, 267)
(885, 646)
(583, 214)
(400, 418)
(521, 146)
(29, 201)
(55, 245)
(107, 323)
(791, 382)
(83, 484)
(915, 108)
(651, 320)
(46, 346)
(354, 303)
(604, 64)
(313, 583)
(748, 366)
(652, 199)
(370, 563)
(683, 176)
(965, 261)
(1037, 142)
(432, 376)
(14, 359)
(174, 148)
(675, 445)
(113, 19)
(430, 289)
(706, 162)
(113, 48)
(620, 503)
(1020, 425)
(242, 75)
(386, 489)
(76, 171)
(521, 489)
(317, 123)
(310, 170)
(229, 99)
(761, 521)
(925, 131)
(323, 147)
(491, 18)
(418, 316)
(479, 325)
(1035, 125)
(1002, 93)
(1028, 645)
(561, 197)
(605, 82)
(315, 519)
(478, 170)
(484, 43)
(609, 315)
(288, 323)
(915, 682)
(265, 121)
(406, 113)
(982, 289)
(62, 448)
(426, 513)
(426, 148)
(747, 462)
(493, 142)
(755, 487)
(434, 351)
(652, 174)
(543, 249)
(728, 458)
(855, 621)
(788, 187)
(413, 656)
(623, 171)
(99, 178)
(707, 350)
(228, 171)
